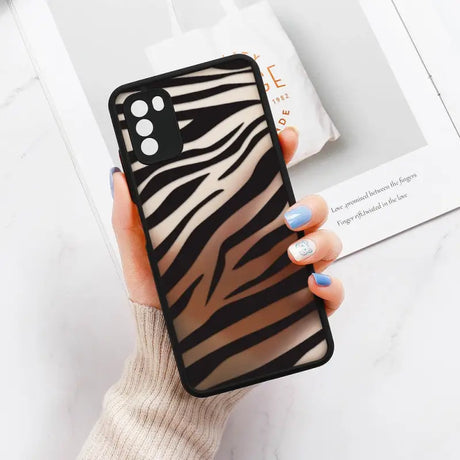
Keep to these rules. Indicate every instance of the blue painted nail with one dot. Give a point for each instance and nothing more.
(298, 216)
(112, 172)
(322, 280)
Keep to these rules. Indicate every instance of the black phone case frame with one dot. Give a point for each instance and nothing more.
(153, 263)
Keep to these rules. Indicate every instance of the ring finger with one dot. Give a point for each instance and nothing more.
(320, 248)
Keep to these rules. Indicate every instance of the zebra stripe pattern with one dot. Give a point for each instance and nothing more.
(239, 307)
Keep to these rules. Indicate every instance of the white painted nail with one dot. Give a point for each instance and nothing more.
(302, 249)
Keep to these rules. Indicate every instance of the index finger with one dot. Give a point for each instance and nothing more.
(289, 139)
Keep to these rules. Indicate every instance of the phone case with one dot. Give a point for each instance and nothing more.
(238, 311)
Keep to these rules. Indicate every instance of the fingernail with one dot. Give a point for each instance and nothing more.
(322, 280)
(298, 216)
(294, 128)
(112, 172)
(302, 249)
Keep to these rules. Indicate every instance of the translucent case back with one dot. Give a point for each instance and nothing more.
(237, 309)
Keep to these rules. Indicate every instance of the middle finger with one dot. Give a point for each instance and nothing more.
(307, 214)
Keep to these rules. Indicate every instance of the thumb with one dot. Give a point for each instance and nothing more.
(131, 243)
(124, 213)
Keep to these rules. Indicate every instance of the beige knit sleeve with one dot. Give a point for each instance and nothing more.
(147, 414)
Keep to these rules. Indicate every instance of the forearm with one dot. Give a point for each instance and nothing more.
(148, 414)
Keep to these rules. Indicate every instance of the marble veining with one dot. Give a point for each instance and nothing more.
(17, 91)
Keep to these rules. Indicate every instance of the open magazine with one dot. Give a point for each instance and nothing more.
(383, 69)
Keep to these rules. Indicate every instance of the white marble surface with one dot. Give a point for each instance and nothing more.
(65, 328)
(391, 390)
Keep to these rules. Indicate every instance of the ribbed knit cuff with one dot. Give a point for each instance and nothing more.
(148, 414)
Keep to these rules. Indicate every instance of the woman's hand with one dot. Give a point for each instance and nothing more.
(318, 247)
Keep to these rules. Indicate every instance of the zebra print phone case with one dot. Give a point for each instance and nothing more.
(237, 310)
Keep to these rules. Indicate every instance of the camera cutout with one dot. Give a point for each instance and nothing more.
(149, 146)
(152, 126)
(144, 127)
(139, 108)
(158, 103)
